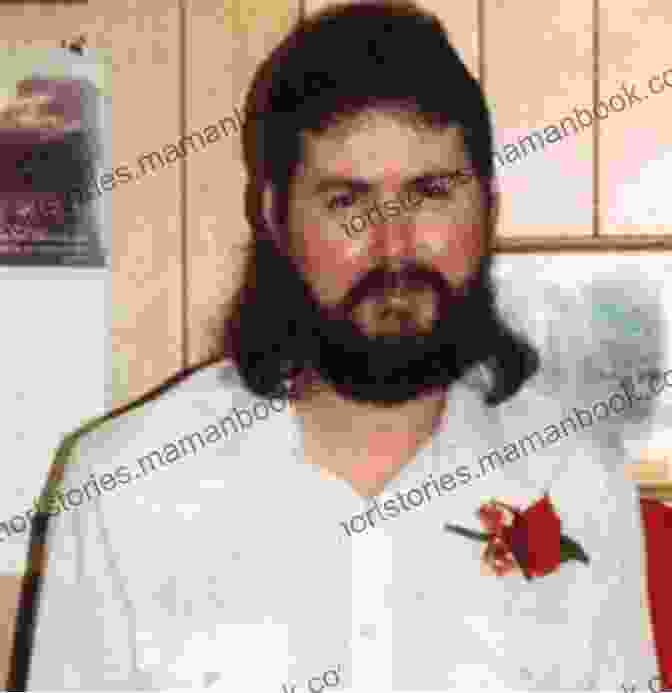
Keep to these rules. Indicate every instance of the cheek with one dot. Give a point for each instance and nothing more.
(454, 249)
(453, 240)
(329, 259)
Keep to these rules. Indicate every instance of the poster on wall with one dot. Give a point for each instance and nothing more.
(54, 269)
(51, 150)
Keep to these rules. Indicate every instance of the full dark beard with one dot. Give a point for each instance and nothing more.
(395, 368)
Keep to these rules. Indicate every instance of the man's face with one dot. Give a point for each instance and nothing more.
(390, 293)
(378, 158)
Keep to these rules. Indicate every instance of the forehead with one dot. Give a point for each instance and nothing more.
(383, 146)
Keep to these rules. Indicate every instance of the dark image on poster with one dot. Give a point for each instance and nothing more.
(49, 155)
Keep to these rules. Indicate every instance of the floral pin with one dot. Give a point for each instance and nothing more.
(528, 540)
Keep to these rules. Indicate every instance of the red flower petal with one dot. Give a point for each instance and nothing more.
(491, 517)
(498, 557)
(542, 529)
(516, 537)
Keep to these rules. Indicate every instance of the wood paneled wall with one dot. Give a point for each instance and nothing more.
(177, 234)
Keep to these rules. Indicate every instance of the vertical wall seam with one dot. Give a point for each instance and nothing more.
(480, 47)
(183, 185)
(596, 121)
(480, 22)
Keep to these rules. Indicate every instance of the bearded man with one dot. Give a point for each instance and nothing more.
(379, 528)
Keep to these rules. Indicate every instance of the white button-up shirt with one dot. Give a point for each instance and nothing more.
(234, 565)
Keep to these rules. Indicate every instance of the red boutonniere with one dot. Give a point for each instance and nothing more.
(528, 540)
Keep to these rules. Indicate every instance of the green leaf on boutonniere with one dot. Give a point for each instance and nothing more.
(469, 533)
(571, 551)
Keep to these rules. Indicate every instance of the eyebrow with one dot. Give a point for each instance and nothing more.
(362, 185)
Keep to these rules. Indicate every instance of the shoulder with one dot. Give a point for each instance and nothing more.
(532, 402)
(206, 388)
(584, 427)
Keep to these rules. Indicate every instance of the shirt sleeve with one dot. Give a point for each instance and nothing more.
(84, 637)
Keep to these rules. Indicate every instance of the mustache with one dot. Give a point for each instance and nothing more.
(411, 276)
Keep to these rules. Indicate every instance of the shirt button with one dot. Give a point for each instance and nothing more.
(368, 630)
(210, 677)
(590, 683)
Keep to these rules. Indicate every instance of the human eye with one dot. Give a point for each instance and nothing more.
(443, 186)
(438, 187)
(341, 201)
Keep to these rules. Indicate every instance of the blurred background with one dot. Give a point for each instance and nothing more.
(54, 275)
(583, 242)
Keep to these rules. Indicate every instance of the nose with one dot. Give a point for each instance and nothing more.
(393, 235)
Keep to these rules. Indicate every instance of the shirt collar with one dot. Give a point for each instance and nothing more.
(462, 428)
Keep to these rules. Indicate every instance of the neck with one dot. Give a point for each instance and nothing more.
(364, 443)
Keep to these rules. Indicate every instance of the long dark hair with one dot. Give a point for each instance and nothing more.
(335, 64)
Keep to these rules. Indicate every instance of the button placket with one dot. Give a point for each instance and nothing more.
(371, 621)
